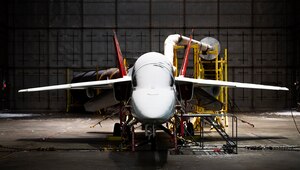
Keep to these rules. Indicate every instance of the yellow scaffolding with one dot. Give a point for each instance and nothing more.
(215, 69)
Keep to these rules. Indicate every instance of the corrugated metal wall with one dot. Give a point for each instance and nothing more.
(47, 37)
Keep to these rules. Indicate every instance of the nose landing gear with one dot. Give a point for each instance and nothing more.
(150, 133)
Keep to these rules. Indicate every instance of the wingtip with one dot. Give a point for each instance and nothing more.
(22, 91)
(283, 88)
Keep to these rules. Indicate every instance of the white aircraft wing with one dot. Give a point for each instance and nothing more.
(205, 82)
(81, 85)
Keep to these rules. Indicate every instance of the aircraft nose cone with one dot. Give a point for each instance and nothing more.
(153, 106)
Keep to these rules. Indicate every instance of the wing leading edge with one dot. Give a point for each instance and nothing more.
(82, 85)
(205, 82)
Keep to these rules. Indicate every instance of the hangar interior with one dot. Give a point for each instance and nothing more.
(46, 42)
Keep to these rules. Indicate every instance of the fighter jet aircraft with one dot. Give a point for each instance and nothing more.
(150, 87)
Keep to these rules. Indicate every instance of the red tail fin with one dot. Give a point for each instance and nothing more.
(119, 56)
(185, 60)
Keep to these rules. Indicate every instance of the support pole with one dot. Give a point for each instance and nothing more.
(181, 125)
(202, 133)
(121, 115)
(175, 134)
(181, 120)
(132, 139)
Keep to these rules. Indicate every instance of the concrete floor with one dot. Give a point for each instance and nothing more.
(65, 141)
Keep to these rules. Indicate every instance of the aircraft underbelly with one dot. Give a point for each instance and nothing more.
(104, 100)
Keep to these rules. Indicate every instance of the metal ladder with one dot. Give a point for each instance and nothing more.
(231, 145)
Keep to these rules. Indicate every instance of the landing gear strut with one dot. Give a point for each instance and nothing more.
(150, 133)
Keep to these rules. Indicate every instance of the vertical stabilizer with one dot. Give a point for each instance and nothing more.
(119, 56)
(185, 60)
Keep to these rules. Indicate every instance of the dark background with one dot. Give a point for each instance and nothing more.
(45, 42)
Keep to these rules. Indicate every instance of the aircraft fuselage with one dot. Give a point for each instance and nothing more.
(154, 92)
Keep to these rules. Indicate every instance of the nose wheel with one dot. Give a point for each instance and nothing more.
(153, 143)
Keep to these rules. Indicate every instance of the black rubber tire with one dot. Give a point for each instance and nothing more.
(190, 128)
(153, 143)
(117, 129)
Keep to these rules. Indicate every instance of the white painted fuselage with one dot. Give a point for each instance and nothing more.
(154, 93)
